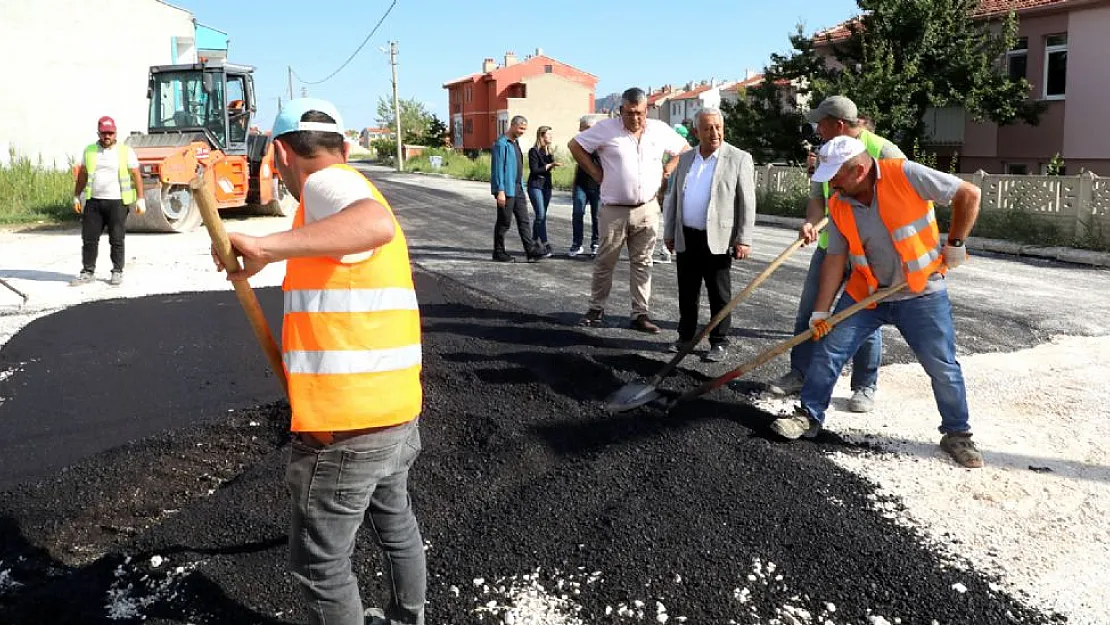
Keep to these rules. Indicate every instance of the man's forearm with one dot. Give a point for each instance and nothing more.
(583, 159)
(362, 227)
(82, 180)
(832, 275)
(137, 181)
(965, 211)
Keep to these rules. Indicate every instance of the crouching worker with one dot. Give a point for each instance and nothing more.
(351, 347)
(883, 222)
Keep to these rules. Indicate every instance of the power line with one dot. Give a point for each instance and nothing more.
(353, 54)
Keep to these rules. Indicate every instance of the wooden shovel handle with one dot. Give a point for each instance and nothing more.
(202, 195)
(740, 297)
(789, 344)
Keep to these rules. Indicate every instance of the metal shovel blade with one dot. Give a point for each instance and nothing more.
(631, 396)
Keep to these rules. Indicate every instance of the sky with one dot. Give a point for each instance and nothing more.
(622, 42)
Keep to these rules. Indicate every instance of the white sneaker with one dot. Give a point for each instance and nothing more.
(574, 251)
(593, 250)
(863, 400)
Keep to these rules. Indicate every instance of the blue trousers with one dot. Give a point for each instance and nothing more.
(865, 363)
(541, 198)
(925, 323)
(581, 197)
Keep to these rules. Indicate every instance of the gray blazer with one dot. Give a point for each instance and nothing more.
(731, 217)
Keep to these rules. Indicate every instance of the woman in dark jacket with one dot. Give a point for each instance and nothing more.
(541, 160)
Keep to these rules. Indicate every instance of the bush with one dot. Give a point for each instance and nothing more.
(31, 192)
(457, 165)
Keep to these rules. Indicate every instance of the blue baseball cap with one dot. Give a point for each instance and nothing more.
(289, 119)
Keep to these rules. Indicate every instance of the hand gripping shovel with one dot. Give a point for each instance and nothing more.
(640, 392)
(202, 195)
(783, 347)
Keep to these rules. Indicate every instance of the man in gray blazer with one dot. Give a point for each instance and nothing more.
(708, 219)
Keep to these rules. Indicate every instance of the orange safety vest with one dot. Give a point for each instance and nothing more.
(351, 337)
(912, 224)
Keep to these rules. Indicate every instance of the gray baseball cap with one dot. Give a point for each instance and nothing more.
(836, 106)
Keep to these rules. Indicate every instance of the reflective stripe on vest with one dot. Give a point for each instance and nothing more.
(913, 229)
(874, 144)
(351, 337)
(127, 193)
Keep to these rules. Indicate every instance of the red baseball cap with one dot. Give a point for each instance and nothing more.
(106, 124)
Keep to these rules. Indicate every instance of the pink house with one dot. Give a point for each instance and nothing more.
(1061, 52)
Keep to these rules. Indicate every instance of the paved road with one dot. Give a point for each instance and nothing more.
(1002, 303)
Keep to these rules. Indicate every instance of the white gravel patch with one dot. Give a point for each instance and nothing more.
(1036, 514)
(133, 591)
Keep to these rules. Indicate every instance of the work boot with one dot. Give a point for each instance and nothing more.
(116, 279)
(796, 425)
(84, 277)
(716, 353)
(788, 384)
(502, 257)
(863, 400)
(960, 446)
(593, 318)
(642, 323)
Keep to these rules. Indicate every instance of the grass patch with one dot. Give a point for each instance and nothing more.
(463, 167)
(31, 192)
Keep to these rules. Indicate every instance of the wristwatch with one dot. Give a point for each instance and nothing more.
(956, 242)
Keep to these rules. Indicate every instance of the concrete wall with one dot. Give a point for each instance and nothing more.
(552, 101)
(70, 61)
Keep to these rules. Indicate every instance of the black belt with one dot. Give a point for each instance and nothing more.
(628, 205)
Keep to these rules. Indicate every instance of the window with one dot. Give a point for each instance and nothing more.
(468, 127)
(1055, 66)
(1017, 169)
(1017, 60)
(547, 69)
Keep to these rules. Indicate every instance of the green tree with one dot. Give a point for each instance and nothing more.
(415, 119)
(760, 123)
(904, 56)
(436, 136)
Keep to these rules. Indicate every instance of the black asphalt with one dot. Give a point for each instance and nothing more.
(118, 446)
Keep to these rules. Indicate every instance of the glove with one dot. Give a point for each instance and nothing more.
(77, 204)
(818, 322)
(954, 255)
(140, 206)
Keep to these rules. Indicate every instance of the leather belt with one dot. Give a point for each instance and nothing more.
(627, 205)
(323, 439)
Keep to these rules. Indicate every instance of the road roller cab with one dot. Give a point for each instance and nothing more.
(200, 122)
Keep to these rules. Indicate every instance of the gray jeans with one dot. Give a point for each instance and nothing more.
(334, 489)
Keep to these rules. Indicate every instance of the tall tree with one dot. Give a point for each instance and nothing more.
(415, 119)
(904, 56)
(437, 135)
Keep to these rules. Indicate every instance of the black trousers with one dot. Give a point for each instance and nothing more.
(696, 265)
(98, 216)
(516, 206)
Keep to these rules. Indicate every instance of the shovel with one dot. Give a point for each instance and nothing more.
(640, 392)
(202, 195)
(769, 354)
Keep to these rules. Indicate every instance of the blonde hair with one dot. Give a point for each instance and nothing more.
(541, 144)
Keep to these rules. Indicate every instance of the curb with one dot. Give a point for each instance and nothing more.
(998, 246)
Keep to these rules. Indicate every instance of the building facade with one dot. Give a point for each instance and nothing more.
(54, 100)
(546, 91)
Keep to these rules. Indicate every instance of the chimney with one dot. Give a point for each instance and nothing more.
(749, 74)
(488, 66)
(539, 51)
(510, 59)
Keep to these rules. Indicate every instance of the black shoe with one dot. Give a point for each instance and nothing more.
(716, 353)
(592, 318)
(643, 323)
(502, 257)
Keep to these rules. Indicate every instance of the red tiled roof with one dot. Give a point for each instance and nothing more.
(696, 91)
(986, 9)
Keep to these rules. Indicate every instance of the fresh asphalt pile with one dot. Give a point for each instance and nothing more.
(697, 516)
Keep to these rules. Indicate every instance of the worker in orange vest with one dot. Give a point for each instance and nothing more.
(883, 222)
(352, 353)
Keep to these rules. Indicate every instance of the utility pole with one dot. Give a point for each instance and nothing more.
(290, 68)
(396, 106)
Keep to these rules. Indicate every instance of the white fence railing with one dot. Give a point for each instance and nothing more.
(1078, 206)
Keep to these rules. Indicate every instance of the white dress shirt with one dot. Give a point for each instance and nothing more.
(697, 190)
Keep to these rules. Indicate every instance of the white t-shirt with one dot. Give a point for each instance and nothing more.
(331, 190)
(105, 179)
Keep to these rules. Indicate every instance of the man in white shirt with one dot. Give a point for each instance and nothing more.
(110, 182)
(632, 171)
(708, 219)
